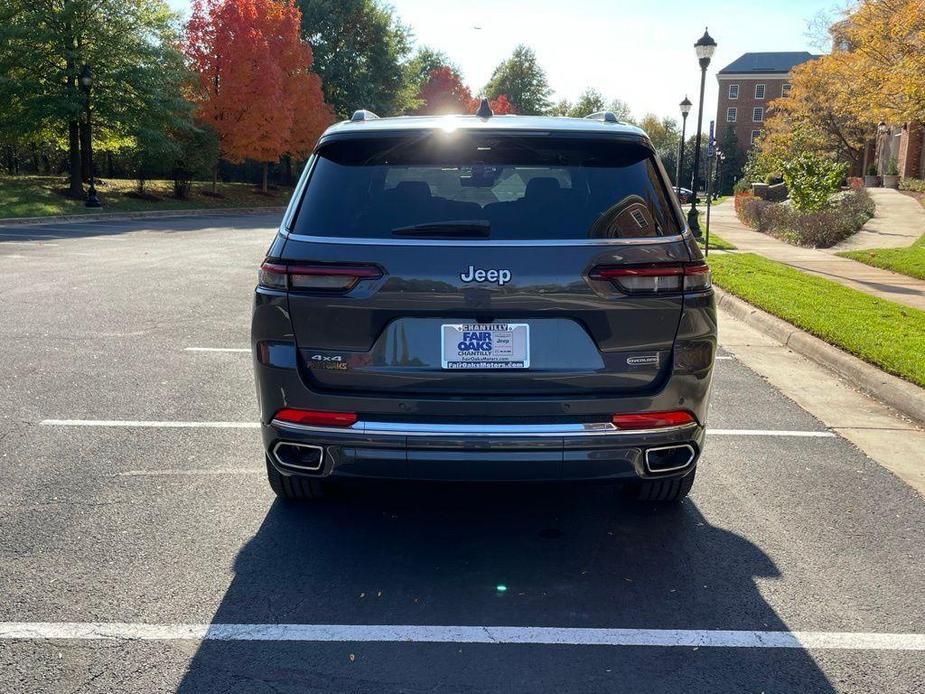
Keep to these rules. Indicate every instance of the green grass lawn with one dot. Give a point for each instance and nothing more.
(906, 261)
(36, 196)
(886, 334)
(717, 243)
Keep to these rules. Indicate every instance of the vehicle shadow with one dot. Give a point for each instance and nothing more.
(435, 555)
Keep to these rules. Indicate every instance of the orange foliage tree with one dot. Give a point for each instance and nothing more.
(255, 86)
(444, 93)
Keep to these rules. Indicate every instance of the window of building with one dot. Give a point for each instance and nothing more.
(731, 114)
(785, 89)
(755, 134)
(733, 91)
(759, 91)
(758, 114)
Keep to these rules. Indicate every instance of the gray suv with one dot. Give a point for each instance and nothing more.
(484, 298)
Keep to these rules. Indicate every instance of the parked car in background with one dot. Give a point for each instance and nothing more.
(684, 194)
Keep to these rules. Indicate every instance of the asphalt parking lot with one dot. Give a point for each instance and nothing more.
(109, 527)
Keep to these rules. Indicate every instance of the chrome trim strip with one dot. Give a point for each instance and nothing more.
(667, 448)
(497, 430)
(282, 462)
(486, 243)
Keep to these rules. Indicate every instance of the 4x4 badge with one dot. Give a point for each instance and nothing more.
(502, 276)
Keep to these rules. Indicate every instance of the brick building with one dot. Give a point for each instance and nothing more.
(746, 88)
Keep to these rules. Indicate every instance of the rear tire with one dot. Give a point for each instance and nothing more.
(294, 487)
(670, 490)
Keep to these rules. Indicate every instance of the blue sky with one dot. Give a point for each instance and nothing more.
(641, 52)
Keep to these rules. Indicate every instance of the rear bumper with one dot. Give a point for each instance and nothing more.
(472, 452)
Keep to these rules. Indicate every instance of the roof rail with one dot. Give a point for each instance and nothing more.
(606, 116)
(362, 115)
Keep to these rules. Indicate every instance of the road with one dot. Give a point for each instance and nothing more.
(111, 529)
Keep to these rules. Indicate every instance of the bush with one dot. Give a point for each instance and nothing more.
(914, 184)
(819, 229)
(812, 180)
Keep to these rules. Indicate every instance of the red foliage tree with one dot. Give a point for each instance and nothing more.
(444, 93)
(501, 105)
(256, 88)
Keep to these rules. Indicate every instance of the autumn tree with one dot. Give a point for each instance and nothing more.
(255, 88)
(444, 93)
(818, 116)
(880, 46)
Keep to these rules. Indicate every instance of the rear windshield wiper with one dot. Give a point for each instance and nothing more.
(476, 229)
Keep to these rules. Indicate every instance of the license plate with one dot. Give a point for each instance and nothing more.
(485, 345)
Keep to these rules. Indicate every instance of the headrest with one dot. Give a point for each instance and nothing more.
(413, 190)
(541, 187)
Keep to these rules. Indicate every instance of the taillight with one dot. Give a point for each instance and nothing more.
(655, 279)
(316, 417)
(338, 278)
(653, 420)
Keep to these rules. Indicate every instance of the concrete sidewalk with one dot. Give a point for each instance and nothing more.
(874, 281)
(898, 222)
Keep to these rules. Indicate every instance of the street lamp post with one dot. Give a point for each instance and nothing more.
(86, 82)
(685, 107)
(717, 187)
(705, 47)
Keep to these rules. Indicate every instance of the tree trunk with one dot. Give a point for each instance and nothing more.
(35, 158)
(109, 173)
(84, 150)
(266, 166)
(288, 161)
(215, 179)
(76, 189)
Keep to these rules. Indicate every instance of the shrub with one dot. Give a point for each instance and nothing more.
(817, 229)
(749, 208)
(914, 184)
(812, 180)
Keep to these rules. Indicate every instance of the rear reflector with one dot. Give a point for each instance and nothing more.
(653, 420)
(655, 279)
(338, 278)
(316, 418)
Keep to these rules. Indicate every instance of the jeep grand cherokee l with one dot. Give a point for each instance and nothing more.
(484, 298)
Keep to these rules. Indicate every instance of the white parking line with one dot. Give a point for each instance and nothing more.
(192, 472)
(256, 425)
(770, 432)
(399, 633)
(217, 349)
(721, 358)
(27, 243)
(150, 424)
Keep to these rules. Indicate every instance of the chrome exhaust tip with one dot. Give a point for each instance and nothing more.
(299, 457)
(669, 458)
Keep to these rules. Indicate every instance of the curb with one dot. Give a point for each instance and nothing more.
(893, 391)
(154, 214)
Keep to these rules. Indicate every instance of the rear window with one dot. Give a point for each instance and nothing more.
(503, 186)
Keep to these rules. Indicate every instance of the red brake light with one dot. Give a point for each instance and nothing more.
(653, 420)
(655, 279)
(315, 277)
(316, 417)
